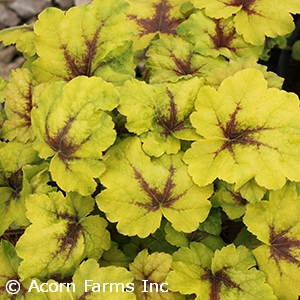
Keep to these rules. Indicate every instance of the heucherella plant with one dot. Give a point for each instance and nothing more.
(145, 153)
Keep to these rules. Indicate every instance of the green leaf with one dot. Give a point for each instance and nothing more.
(73, 128)
(249, 132)
(229, 273)
(18, 106)
(276, 223)
(151, 18)
(3, 84)
(214, 37)
(172, 59)
(63, 237)
(254, 19)
(150, 272)
(296, 50)
(140, 191)
(114, 256)
(159, 114)
(68, 46)
(109, 283)
(23, 36)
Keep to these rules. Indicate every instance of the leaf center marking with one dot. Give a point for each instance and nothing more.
(170, 123)
(160, 22)
(184, 67)
(281, 247)
(157, 198)
(236, 136)
(246, 5)
(216, 281)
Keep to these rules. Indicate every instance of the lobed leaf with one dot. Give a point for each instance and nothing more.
(63, 237)
(276, 223)
(151, 18)
(161, 124)
(172, 59)
(73, 127)
(249, 132)
(228, 273)
(68, 46)
(254, 19)
(139, 191)
(18, 106)
(215, 37)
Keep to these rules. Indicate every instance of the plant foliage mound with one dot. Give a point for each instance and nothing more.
(145, 146)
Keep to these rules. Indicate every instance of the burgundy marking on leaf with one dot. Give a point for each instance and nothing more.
(246, 5)
(83, 65)
(222, 38)
(61, 144)
(217, 280)
(236, 136)
(15, 181)
(282, 246)
(184, 67)
(71, 236)
(28, 106)
(161, 21)
(157, 198)
(170, 123)
(237, 198)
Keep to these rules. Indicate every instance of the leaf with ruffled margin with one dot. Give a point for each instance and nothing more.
(214, 37)
(73, 127)
(58, 242)
(159, 113)
(228, 273)
(150, 272)
(276, 223)
(22, 36)
(151, 18)
(18, 106)
(172, 59)
(248, 132)
(68, 46)
(140, 190)
(254, 19)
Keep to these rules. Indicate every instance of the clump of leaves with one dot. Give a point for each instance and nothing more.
(185, 178)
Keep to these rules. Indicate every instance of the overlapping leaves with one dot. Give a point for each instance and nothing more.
(68, 46)
(58, 242)
(159, 114)
(73, 127)
(139, 191)
(248, 132)
(276, 223)
(228, 273)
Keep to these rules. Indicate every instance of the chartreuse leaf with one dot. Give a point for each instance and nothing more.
(114, 256)
(159, 114)
(214, 77)
(228, 273)
(276, 223)
(3, 84)
(109, 283)
(139, 191)
(22, 36)
(248, 132)
(18, 106)
(254, 19)
(214, 37)
(18, 178)
(68, 46)
(173, 58)
(58, 241)
(151, 18)
(150, 272)
(73, 128)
